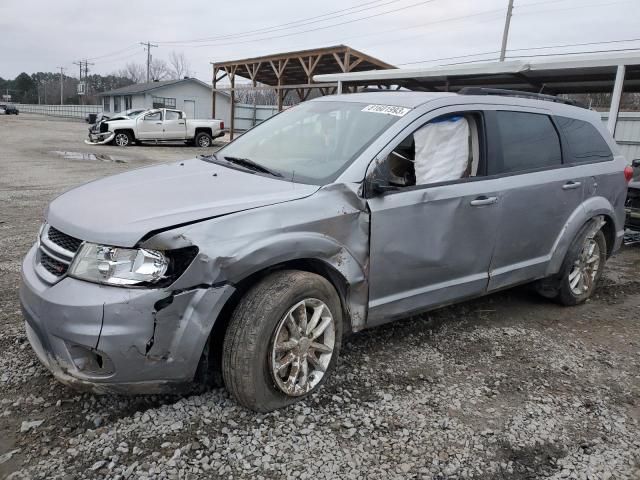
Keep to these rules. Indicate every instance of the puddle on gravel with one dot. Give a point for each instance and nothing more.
(100, 157)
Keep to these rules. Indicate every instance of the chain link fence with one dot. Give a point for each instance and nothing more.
(68, 111)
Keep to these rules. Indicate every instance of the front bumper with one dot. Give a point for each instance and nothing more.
(99, 138)
(120, 340)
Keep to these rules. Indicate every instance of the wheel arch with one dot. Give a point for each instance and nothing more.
(125, 130)
(211, 362)
(206, 130)
(588, 211)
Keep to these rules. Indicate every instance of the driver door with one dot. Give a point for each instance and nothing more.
(431, 244)
(150, 126)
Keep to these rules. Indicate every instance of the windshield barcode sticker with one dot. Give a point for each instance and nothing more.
(387, 110)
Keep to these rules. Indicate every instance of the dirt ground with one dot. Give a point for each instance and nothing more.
(508, 386)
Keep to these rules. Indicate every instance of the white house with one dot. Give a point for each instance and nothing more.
(188, 94)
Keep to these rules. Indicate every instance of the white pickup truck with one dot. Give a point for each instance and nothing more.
(157, 125)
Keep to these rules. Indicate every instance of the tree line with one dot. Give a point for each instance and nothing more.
(44, 87)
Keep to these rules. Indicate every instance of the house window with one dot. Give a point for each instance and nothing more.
(162, 102)
(127, 102)
(116, 104)
(106, 103)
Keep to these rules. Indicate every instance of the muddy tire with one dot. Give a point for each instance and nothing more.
(203, 140)
(580, 271)
(123, 139)
(283, 340)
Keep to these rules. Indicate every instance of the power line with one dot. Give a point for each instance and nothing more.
(314, 29)
(288, 25)
(559, 54)
(566, 45)
(117, 52)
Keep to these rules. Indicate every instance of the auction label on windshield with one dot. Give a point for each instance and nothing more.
(387, 110)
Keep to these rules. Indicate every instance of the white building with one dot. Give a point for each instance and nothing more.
(188, 94)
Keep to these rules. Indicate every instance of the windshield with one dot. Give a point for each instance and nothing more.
(312, 142)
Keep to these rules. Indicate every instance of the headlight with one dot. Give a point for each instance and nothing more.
(118, 266)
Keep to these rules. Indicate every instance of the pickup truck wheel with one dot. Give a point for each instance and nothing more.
(283, 340)
(122, 139)
(203, 140)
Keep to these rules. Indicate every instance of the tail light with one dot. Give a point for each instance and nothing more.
(221, 125)
(628, 173)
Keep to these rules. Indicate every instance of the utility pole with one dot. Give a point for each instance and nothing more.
(84, 72)
(148, 46)
(505, 34)
(61, 85)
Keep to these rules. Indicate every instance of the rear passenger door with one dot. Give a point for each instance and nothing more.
(173, 125)
(538, 194)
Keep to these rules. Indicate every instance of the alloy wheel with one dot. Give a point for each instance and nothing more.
(122, 140)
(302, 347)
(585, 268)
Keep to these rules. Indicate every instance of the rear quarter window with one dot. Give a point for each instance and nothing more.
(528, 141)
(584, 142)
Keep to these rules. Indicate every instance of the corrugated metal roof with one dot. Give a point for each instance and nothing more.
(571, 74)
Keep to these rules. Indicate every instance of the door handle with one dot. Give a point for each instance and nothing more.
(180, 123)
(158, 123)
(483, 200)
(571, 185)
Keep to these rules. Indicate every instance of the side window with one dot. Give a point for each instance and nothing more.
(445, 149)
(584, 141)
(155, 116)
(528, 141)
(172, 115)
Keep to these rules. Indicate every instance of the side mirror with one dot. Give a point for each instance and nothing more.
(378, 186)
(636, 163)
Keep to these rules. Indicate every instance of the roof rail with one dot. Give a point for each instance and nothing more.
(518, 94)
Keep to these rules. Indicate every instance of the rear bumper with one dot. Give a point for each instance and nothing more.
(118, 340)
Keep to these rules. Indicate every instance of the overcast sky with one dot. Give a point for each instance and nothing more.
(41, 35)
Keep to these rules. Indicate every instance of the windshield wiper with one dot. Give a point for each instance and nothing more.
(248, 163)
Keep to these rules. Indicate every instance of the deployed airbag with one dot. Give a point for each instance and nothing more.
(442, 150)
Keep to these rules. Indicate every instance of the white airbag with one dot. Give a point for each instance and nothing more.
(442, 150)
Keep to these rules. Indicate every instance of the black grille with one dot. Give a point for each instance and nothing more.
(51, 265)
(63, 240)
(633, 198)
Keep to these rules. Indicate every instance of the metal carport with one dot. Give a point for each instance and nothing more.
(593, 73)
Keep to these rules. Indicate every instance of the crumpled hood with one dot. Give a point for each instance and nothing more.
(119, 210)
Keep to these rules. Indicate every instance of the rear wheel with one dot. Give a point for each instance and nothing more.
(283, 340)
(581, 269)
(203, 140)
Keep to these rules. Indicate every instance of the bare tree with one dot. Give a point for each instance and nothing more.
(159, 69)
(134, 72)
(180, 66)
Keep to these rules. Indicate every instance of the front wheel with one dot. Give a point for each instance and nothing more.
(283, 340)
(122, 139)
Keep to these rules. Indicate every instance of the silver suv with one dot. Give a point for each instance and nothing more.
(249, 266)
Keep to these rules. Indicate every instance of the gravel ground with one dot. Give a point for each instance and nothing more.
(509, 386)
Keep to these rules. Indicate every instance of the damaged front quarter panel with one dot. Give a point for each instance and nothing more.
(330, 227)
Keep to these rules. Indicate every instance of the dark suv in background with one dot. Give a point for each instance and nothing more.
(9, 109)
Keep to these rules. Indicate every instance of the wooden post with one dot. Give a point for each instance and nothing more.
(213, 92)
(231, 72)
